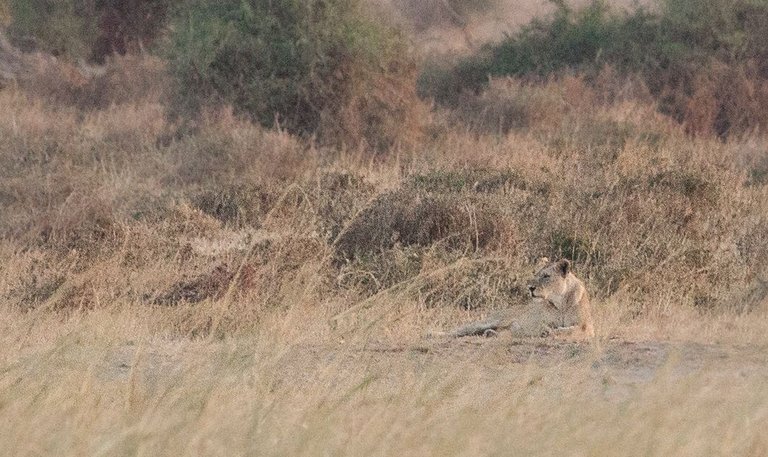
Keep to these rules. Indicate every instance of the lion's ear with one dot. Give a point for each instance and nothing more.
(542, 262)
(564, 266)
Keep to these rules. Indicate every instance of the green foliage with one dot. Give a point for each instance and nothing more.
(684, 33)
(295, 62)
(61, 27)
(89, 29)
(720, 28)
(569, 39)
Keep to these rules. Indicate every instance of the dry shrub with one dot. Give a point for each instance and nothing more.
(337, 196)
(116, 127)
(237, 205)
(37, 277)
(484, 283)
(602, 137)
(632, 202)
(374, 272)
(425, 14)
(83, 223)
(506, 105)
(476, 180)
(652, 227)
(123, 79)
(431, 222)
(11, 61)
(144, 243)
(225, 148)
(517, 104)
(408, 217)
(44, 280)
(127, 79)
(725, 100)
(74, 298)
(184, 219)
(60, 295)
(212, 285)
(263, 274)
(610, 86)
(27, 117)
(381, 112)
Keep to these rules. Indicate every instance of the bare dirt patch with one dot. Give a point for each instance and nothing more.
(615, 364)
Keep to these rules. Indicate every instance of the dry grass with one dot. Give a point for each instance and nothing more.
(123, 388)
(231, 290)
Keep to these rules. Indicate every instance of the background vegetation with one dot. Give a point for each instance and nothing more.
(248, 216)
(311, 67)
(701, 61)
(87, 29)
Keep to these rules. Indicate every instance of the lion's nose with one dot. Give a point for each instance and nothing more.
(531, 289)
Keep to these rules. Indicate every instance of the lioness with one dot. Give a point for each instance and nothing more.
(555, 283)
(560, 306)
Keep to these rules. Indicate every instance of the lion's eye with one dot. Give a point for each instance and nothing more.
(546, 276)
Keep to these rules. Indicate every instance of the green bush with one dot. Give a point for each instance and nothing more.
(60, 27)
(568, 39)
(682, 49)
(310, 66)
(714, 49)
(88, 29)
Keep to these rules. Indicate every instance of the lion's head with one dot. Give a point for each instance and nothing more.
(549, 280)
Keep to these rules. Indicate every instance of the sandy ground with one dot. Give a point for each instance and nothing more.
(614, 367)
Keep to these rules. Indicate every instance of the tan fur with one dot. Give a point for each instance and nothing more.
(555, 284)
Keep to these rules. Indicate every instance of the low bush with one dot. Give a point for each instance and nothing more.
(318, 67)
(410, 217)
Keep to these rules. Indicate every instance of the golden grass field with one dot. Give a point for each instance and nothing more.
(225, 289)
